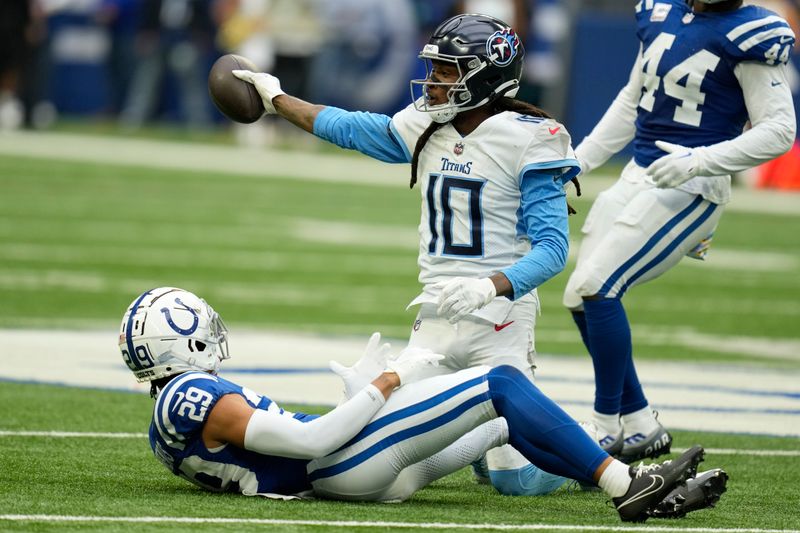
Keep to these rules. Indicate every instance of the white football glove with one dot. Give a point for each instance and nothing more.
(366, 369)
(413, 364)
(267, 85)
(679, 165)
(461, 296)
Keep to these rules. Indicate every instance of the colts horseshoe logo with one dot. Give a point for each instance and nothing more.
(188, 331)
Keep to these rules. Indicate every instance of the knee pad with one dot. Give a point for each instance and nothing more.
(526, 481)
(581, 284)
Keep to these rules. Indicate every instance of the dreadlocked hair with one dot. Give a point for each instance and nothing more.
(421, 142)
(498, 106)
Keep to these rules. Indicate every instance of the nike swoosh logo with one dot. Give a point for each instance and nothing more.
(656, 482)
(785, 38)
(776, 83)
(553, 131)
(500, 327)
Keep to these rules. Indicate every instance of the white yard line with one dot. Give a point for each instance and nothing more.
(109, 435)
(352, 524)
(293, 368)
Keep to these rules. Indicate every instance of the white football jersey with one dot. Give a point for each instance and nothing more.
(470, 186)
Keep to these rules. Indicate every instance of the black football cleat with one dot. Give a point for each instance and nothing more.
(652, 483)
(700, 492)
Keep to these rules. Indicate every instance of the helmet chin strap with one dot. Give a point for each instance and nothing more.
(443, 116)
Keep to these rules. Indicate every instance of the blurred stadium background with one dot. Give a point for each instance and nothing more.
(117, 175)
(138, 62)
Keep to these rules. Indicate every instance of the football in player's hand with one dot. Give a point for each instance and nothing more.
(236, 99)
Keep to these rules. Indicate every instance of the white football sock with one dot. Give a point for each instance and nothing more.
(606, 424)
(616, 479)
(642, 421)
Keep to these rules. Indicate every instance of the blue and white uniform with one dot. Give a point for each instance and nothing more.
(492, 201)
(698, 78)
(180, 412)
(366, 449)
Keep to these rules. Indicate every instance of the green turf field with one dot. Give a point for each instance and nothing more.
(78, 241)
(118, 477)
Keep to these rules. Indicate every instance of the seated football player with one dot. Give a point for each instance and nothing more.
(383, 444)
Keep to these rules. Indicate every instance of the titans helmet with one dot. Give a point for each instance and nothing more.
(488, 55)
(166, 331)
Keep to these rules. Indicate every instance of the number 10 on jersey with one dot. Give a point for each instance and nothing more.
(455, 216)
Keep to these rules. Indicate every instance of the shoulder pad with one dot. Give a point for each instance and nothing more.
(554, 135)
(761, 35)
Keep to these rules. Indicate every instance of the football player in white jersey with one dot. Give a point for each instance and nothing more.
(493, 225)
(704, 69)
(226, 438)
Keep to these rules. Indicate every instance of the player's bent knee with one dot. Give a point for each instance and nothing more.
(505, 383)
(505, 372)
(526, 481)
(580, 285)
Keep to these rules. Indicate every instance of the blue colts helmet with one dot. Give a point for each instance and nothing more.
(488, 55)
(166, 331)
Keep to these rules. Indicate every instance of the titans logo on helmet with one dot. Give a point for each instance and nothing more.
(502, 47)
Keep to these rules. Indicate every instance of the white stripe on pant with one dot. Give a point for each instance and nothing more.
(438, 425)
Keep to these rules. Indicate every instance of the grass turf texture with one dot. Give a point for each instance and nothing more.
(79, 241)
(119, 477)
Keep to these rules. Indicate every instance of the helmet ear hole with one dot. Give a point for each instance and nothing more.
(201, 346)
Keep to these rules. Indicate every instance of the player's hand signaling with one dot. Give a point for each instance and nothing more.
(366, 369)
(267, 85)
(461, 296)
(679, 165)
(413, 364)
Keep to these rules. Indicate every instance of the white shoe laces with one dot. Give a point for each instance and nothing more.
(642, 469)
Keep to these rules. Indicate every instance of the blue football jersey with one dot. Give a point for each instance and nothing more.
(690, 95)
(182, 408)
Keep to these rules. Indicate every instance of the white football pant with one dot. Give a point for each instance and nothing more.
(413, 440)
(635, 232)
(473, 341)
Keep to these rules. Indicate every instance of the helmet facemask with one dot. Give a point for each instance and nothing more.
(459, 96)
(487, 55)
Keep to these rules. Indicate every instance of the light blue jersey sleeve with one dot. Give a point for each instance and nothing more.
(544, 215)
(369, 133)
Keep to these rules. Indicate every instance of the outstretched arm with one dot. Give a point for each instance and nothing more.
(369, 133)
(299, 112)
